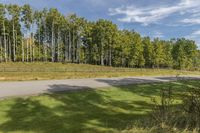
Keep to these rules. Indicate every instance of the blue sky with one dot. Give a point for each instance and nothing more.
(156, 18)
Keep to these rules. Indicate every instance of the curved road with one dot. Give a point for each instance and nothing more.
(25, 88)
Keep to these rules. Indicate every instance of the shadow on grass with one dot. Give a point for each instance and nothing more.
(151, 87)
(86, 111)
(127, 81)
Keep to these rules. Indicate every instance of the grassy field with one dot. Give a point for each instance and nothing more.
(103, 110)
(42, 71)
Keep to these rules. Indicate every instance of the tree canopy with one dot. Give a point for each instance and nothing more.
(28, 35)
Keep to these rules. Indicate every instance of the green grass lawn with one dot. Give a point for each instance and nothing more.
(43, 71)
(102, 110)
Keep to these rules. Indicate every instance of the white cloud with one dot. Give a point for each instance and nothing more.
(191, 21)
(158, 34)
(195, 35)
(196, 32)
(153, 14)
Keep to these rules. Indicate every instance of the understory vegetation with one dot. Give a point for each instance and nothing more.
(28, 35)
(168, 115)
(161, 107)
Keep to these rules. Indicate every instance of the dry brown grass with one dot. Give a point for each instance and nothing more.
(43, 71)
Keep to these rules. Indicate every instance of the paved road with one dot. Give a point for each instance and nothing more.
(12, 89)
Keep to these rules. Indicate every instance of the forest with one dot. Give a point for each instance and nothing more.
(47, 35)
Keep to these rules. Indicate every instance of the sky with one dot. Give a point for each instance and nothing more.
(155, 18)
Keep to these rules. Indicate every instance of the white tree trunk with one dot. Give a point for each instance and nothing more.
(66, 48)
(27, 52)
(30, 47)
(52, 42)
(22, 50)
(14, 58)
(9, 49)
(1, 49)
(70, 46)
(5, 45)
(32, 44)
(39, 43)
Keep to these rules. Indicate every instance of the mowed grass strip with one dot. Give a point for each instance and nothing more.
(43, 71)
(111, 109)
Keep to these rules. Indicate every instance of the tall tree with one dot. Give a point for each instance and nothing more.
(27, 18)
(3, 29)
(148, 51)
(14, 11)
(158, 54)
(74, 39)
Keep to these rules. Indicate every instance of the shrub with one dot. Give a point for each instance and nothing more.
(171, 117)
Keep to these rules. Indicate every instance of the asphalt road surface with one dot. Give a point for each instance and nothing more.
(26, 88)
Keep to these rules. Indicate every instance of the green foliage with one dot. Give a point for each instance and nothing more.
(169, 115)
(148, 52)
(184, 54)
(51, 36)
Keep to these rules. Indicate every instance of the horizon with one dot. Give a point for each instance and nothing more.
(164, 20)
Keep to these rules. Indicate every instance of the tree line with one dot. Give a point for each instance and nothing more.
(46, 35)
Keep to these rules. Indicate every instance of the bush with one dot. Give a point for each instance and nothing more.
(185, 117)
(191, 108)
